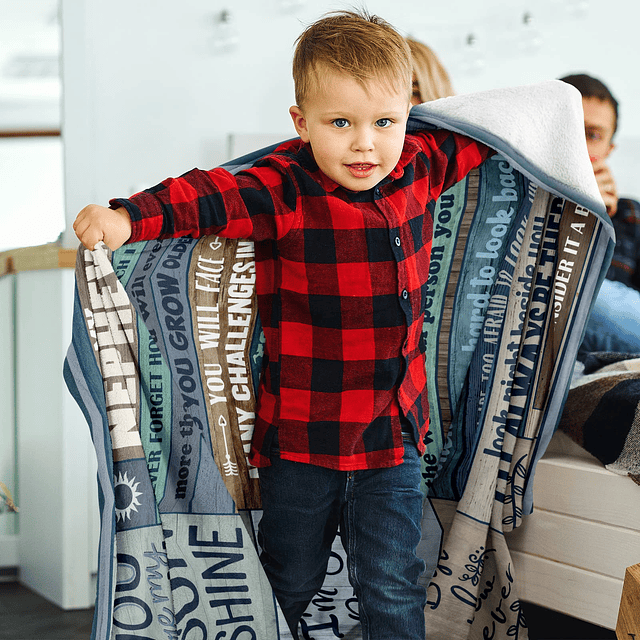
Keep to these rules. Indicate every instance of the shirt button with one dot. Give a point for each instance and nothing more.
(397, 241)
(405, 294)
(376, 191)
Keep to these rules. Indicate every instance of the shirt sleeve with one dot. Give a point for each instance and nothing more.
(450, 156)
(256, 204)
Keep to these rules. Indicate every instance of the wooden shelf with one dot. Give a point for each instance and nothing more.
(46, 256)
(628, 625)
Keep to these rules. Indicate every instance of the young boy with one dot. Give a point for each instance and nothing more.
(342, 223)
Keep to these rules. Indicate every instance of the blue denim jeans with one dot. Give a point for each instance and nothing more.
(614, 323)
(378, 513)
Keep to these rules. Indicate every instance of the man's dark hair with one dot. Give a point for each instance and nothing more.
(593, 88)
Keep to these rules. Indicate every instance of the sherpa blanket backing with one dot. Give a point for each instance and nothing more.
(167, 350)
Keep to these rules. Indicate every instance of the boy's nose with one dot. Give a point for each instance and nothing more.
(363, 140)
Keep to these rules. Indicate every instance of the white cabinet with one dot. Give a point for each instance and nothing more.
(54, 539)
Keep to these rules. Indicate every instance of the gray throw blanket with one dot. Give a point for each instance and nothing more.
(602, 412)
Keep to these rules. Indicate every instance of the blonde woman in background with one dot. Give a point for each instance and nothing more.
(430, 79)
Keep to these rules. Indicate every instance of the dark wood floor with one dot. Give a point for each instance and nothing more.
(26, 616)
(551, 625)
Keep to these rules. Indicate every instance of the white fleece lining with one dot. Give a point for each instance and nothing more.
(539, 127)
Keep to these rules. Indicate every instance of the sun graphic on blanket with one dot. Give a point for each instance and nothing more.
(126, 496)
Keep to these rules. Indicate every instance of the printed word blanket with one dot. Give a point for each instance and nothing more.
(167, 349)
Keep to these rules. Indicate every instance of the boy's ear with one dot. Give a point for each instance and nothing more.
(299, 122)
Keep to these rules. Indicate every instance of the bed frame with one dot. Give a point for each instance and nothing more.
(571, 553)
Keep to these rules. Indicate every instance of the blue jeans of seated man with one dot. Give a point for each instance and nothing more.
(378, 512)
(614, 323)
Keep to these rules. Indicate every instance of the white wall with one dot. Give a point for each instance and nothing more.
(29, 49)
(57, 538)
(8, 471)
(147, 95)
(25, 162)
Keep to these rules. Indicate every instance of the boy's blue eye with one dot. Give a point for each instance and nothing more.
(341, 123)
(383, 122)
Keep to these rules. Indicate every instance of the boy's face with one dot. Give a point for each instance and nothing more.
(356, 135)
(599, 123)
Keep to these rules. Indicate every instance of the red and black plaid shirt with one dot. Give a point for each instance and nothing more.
(340, 280)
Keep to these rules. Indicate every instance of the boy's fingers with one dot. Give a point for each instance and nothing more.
(89, 234)
(83, 233)
(95, 223)
(88, 227)
(89, 240)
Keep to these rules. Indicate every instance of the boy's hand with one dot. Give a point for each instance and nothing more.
(606, 184)
(95, 223)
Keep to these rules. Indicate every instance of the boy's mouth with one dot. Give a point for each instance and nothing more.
(361, 169)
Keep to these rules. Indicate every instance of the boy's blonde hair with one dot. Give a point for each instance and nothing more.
(429, 74)
(361, 45)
